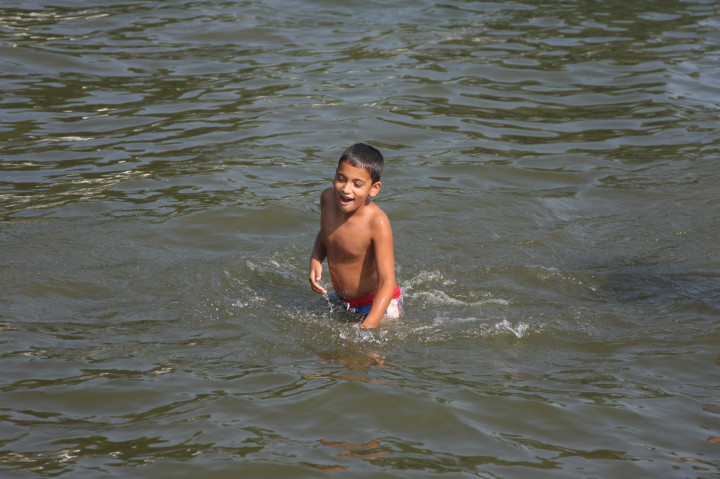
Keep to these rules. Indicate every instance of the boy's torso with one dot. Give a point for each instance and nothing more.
(349, 247)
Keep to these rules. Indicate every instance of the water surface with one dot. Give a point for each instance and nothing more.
(551, 180)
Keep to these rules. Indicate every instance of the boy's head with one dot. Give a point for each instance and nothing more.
(361, 155)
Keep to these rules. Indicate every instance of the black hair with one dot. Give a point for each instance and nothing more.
(361, 155)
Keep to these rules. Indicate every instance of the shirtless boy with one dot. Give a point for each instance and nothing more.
(356, 238)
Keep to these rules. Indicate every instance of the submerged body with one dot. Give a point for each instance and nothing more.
(363, 304)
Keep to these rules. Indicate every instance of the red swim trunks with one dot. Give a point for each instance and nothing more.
(363, 304)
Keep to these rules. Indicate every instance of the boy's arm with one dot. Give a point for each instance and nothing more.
(319, 253)
(385, 264)
(316, 259)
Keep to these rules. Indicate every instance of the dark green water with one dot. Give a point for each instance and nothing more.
(552, 181)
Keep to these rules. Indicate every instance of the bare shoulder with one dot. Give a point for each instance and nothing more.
(325, 196)
(379, 221)
(327, 192)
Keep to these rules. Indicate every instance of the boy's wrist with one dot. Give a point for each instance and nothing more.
(369, 324)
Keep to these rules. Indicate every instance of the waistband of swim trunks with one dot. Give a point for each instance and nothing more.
(367, 300)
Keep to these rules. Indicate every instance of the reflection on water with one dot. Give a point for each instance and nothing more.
(552, 184)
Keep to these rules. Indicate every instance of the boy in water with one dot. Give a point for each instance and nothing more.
(356, 238)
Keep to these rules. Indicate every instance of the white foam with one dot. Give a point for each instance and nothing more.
(441, 297)
(518, 330)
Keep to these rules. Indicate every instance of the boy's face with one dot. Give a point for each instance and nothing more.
(353, 186)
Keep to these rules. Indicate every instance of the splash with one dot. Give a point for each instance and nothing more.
(441, 297)
(518, 330)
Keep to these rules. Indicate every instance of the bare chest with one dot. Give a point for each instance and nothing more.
(347, 242)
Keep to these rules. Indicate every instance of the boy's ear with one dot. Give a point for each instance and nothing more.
(375, 188)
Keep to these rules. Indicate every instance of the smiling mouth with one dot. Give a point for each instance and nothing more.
(345, 200)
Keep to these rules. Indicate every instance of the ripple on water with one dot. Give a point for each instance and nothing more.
(552, 183)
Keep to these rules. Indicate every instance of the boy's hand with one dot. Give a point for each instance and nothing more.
(315, 275)
(369, 325)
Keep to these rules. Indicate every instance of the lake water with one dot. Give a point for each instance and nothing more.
(553, 183)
